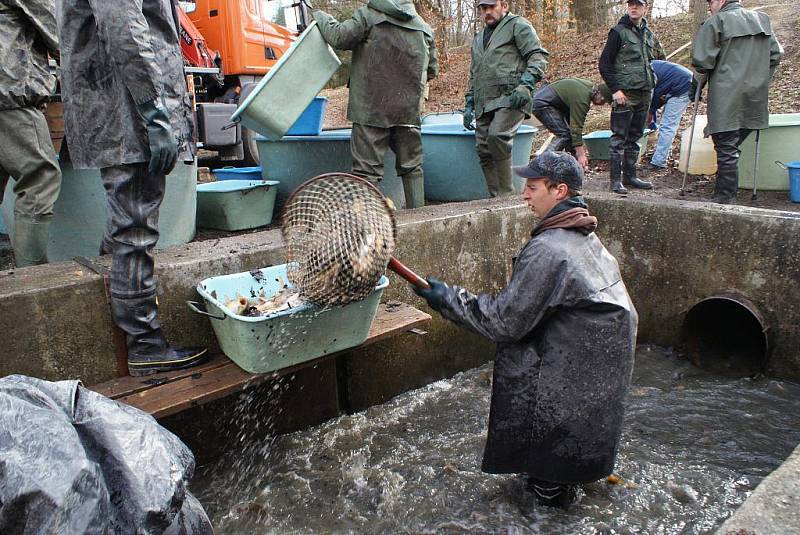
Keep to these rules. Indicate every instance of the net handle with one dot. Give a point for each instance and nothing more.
(399, 268)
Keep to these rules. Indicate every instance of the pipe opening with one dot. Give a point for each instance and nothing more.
(726, 334)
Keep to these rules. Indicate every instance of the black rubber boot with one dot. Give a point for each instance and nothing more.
(629, 177)
(726, 185)
(615, 169)
(553, 494)
(148, 351)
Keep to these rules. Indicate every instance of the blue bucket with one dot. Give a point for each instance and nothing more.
(794, 179)
(238, 173)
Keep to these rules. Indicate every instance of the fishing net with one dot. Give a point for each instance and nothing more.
(339, 232)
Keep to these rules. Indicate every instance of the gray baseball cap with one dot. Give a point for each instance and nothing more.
(555, 165)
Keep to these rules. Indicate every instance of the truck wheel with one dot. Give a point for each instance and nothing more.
(250, 147)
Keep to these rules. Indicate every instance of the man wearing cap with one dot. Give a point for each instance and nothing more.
(394, 55)
(507, 61)
(562, 107)
(625, 67)
(672, 91)
(565, 330)
(738, 52)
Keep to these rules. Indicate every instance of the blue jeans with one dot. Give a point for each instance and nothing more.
(670, 119)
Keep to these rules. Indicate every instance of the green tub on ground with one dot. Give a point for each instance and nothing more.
(269, 343)
(236, 204)
(781, 141)
(80, 211)
(597, 143)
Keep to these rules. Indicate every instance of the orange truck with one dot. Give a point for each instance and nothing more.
(228, 46)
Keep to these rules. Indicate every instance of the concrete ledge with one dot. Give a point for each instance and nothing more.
(772, 508)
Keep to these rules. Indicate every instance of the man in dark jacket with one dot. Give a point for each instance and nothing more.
(27, 36)
(394, 55)
(562, 108)
(738, 52)
(507, 61)
(672, 91)
(127, 112)
(625, 67)
(565, 330)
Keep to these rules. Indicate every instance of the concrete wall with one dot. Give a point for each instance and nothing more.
(55, 323)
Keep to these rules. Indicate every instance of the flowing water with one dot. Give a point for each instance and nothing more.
(694, 446)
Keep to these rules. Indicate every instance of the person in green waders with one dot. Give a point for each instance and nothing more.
(625, 66)
(507, 61)
(394, 55)
(737, 52)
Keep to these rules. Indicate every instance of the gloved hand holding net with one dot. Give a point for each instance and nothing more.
(340, 234)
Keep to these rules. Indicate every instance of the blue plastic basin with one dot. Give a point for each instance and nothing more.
(235, 204)
(310, 122)
(452, 169)
(238, 173)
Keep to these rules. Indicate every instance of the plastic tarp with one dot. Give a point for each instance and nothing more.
(74, 461)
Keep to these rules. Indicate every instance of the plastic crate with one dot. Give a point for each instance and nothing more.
(236, 204)
(310, 122)
(238, 173)
(268, 343)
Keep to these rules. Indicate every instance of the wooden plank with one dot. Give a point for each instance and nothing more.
(201, 385)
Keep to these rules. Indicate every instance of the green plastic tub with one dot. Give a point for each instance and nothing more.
(281, 97)
(597, 143)
(781, 142)
(236, 204)
(269, 343)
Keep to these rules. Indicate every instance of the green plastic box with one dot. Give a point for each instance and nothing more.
(781, 141)
(236, 204)
(269, 343)
(597, 143)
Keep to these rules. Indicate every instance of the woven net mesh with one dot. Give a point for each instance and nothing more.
(339, 232)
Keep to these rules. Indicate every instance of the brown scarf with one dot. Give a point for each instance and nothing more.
(574, 218)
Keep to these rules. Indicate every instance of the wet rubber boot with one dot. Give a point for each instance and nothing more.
(490, 174)
(414, 188)
(553, 494)
(505, 185)
(629, 177)
(615, 170)
(148, 350)
(726, 185)
(30, 241)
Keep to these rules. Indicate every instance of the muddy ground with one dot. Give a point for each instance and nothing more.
(577, 54)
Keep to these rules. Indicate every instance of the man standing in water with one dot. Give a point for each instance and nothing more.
(507, 61)
(394, 55)
(738, 52)
(625, 67)
(565, 330)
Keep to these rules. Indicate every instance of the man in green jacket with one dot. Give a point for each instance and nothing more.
(562, 108)
(738, 52)
(394, 55)
(507, 61)
(625, 67)
(28, 35)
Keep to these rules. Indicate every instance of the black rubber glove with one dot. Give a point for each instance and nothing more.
(434, 295)
(163, 147)
(520, 97)
(469, 113)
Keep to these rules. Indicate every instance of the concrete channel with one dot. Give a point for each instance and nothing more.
(672, 254)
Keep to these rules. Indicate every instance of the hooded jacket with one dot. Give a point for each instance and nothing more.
(738, 50)
(394, 55)
(565, 330)
(513, 56)
(115, 55)
(27, 35)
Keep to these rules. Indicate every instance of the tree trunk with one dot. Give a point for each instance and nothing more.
(590, 14)
(699, 14)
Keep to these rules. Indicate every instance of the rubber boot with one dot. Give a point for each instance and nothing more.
(30, 241)
(615, 170)
(505, 185)
(490, 174)
(148, 350)
(629, 177)
(726, 185)
(414, 188)
(553, 494)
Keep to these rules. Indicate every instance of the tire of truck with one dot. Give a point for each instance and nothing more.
(248, 136)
